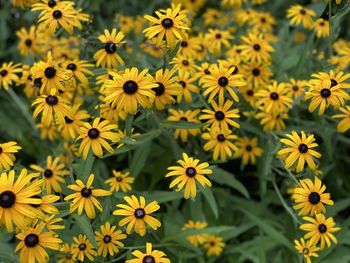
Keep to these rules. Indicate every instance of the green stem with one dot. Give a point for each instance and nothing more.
(21, 105)
(330, 26)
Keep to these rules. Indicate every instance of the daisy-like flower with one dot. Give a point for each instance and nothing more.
(49, 133)
(53, 174)
(215, 39)
(137, 214)
(256, 49)
(306, 249)
(248, 149)
(189, 46)
(168, 87)
(71, 127)
(344, 124)
(187, 87)
(324, 92)
(120, 181)
(187, 116)
(221, 80)
(65, 255)
(262, 22)
(310, 197)
(28, 41)
(34, 241)
(213, 245)
(320, 229)
(85, 197)
(128, 90)
(220, 142)
(222, 116)
(108, 240)
(95, 136)
(47, 205)
(108, 56)
(50, 74)
(274, 98)
(8, 74)
(297, 15)
(185, 64)
(187, 174)
(258, 74)
(198, 239)
(337, 79)
(299, 148)
(16, 198)
(57, 14)
(82, 248)
(295, 88)
(7, 157)
(272, 121)
(170, 26)
(80, 70)
(151, 256)
(321, 28)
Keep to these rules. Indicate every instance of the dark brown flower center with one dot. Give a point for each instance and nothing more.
(256, 72)
(50, 72)
(48, 173)
(303, 148)
(148, 259)
(256, 47)
(7, 199)
(159, 90)
(107, 239)
(302, 11)
(82, 247)
(93, 133)
(185, 62)
(68, 120)
(322, 228)
(250, 92)
(51, 3)
(219, 115)
(110, 47)
(183, 83)
(248, 148)
(221, 138)
(139, 213)
(86, 192)
(38, 83)
(191, 172)
(130, 87)
(325, 93)
(3, 72)
(31, 240)
(167, 23)
(295, 87)
(333, 83)
(184, 44)
(314, 198)
(183, 119)
(274, 96)
(57, 14)
(72, 66)
(119, 179)
(51, 100)
(28, 42)
(206, 71)
(218, 36)
(223, 81)
(306, 251)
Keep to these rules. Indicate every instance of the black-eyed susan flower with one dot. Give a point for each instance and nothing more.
(213, 245)
(170, 26)
(298, 14)
(85, 197)
(47, 204)
(151, 256)
(7, 157)
(306, 249)
(215, 39)
(189, 46)
(187, 87)
(52, 173)
(296, 88)
(16, 197)
(187, 174)
(52, 223)
(310, 197)
(222, 116)
(321, 28)
(168, 87)
(299, 148)
(108, 240)
(320, 229)
(65, 255)
(8, 74)
(258, 74)
(95, 136)
(262, 22)
(184, 63)
(137, 214)
(34, 242)
(121, 181)
(188, 116)
(274, 98)
(128, 90)
(220, 142)
(337, 78)
(256, 49)
(198, 239)
(50, 74)
(248, 149)
(80, 70)
(344, 123)
(221, 80)
(82, 248)
(108, 56)
(50, 132)
(271, 120)
(28, 41)
(71, 127)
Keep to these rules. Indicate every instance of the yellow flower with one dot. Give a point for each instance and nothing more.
(85, 197)
(187, 116)
(299, 149)
(82, 248)
(137, 214)
(310, 197)
(8, 74)
(321, 28)
(307, 249)
(186, 86)
(320, 229)
(120, 181)
(271, 120)
(108, 240)
(187, 174)
(256, 48)
(151, 256)
(297, 14)
(213, 245)
(295, 88)
(248, 149)
(33, 242)
(215, 39)
(199, 239)
(7, 156)
(79, 68)
(28, 41)
(344, 124)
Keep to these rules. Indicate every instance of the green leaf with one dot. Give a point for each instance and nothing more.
(223, 177)
(84, 224)
(209, 196)
(139, 159)
(162, 196)
(181, 125)
(84, 167)
(143, 138)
